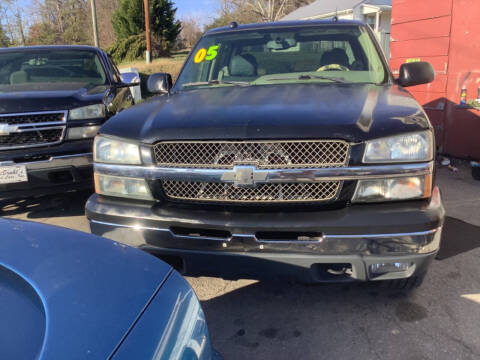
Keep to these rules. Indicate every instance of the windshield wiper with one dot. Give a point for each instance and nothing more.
(310, 77)
(334, 79)
(216, 82)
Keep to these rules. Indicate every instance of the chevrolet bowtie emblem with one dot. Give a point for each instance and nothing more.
(6, 129)
(244, 176)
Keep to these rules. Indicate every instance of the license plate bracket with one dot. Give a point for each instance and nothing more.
(12, 174)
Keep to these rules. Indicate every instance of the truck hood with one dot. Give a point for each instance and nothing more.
(52, 97)
(69, 295)
(354, 112)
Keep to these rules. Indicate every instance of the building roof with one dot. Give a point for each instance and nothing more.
(320, 7)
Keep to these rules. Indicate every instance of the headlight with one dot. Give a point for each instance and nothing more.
(88, 112)
(108, 150)
(401, 148)
(402, 188)
(83, 132)
(122, 187)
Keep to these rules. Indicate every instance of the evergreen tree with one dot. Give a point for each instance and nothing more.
(163, 23)
(128, 19)
(128, 22)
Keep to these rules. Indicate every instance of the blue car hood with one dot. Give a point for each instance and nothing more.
(69, 295)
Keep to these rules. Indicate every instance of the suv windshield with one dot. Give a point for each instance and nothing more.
(49, 70)
(322, 53)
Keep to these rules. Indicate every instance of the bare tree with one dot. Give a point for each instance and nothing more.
(268, 10)
(299, 3)
(105, 10)
(191, 31)
(5, 21)
(233, 10)
(226, 7)
(20, 27)
(264, 10)
(14, 21)
(62, 21)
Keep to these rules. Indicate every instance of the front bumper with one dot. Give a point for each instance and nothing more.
(55, 174)
(250, 244)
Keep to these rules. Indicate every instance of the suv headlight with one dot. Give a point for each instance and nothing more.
(120, 186)
(121, 152)
(393, 189)
(88, 112)
(108, 150)
(401, 148)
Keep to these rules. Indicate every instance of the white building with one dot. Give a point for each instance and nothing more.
(376, 13)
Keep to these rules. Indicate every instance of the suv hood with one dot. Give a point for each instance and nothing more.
(69, 295)
(354, 112)
(55, 98)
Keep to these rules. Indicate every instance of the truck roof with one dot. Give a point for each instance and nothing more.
(51, 47)
(285, 24)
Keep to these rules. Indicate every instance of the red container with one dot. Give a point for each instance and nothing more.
(445, 33)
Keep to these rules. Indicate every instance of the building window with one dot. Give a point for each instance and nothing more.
(370, 20)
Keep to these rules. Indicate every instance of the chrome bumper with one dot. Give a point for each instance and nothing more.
(76, 160)
(374, 229)
(217, 242)
(244, 255)
(424, 242)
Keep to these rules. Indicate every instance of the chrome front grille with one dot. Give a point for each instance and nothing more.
(32, 118)
(262, 193)
(262, 154)
(25, 130)
(31, 137)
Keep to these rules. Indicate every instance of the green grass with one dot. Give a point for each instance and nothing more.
(171, 65)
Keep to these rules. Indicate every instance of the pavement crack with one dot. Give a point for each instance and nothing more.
(369, 343)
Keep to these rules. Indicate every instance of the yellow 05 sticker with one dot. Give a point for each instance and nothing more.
(204, 54)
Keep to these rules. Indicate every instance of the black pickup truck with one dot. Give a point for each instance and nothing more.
(53, 100)
(283, 149)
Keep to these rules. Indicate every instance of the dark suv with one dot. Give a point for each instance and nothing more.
(53, 100)
(283, 149)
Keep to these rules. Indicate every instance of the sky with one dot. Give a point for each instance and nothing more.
(202, 10)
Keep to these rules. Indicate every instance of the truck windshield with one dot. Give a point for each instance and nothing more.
(325, 53)
(49, 70)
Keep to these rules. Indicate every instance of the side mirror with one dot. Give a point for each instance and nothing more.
(416, 73)
(159, 83)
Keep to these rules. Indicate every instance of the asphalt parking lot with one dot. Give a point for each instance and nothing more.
(267, 320)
